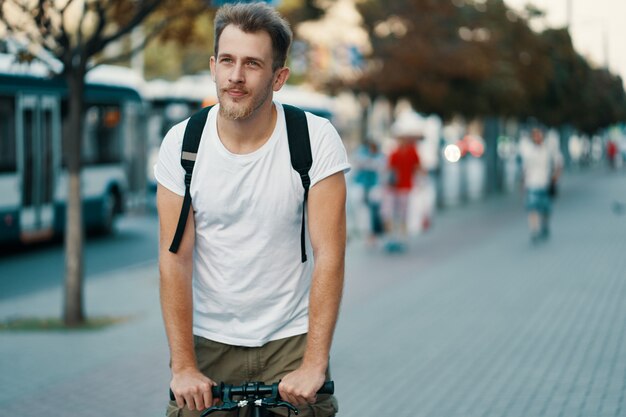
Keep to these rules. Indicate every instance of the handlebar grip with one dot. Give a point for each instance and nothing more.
(327, 388)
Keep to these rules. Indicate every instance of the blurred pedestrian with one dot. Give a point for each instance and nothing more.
(369, 166)
(403, 164)
(541, 163)
(240, 301)
(611, 153)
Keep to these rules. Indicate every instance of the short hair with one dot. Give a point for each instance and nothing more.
(256, 17)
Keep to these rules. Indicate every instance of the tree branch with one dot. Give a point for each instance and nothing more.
(62, 38)
(24, 30)
(145, 10)
(154, 32)
(31, 41)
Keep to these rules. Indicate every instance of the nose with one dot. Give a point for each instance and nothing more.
(237, 74)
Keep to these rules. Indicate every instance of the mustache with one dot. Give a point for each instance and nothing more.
(234, 88)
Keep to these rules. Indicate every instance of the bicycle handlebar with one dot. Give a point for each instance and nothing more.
(256, 389)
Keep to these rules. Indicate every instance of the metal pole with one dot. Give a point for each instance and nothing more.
(605, 44)
(569, 13)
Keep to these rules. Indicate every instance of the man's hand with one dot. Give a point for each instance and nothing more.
(300, 386)
(193, 389)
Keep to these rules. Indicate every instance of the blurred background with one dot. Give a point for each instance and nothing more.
(471, 319)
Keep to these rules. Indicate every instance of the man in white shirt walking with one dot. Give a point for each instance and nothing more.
(542, 163)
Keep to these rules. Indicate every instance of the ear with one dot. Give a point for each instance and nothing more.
(281, 77)
(212, 66)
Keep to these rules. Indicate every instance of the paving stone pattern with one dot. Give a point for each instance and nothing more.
(473, 321)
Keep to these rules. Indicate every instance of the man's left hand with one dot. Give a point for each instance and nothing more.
(300, 386)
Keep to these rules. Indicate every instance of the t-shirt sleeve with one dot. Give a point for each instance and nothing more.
(329, 154)
(523, 149)
(168, 171)
(557, 156)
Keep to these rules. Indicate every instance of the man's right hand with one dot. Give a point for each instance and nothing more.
(192, 389)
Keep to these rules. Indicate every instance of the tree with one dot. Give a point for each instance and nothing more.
(187, 43)
(587, 98)
(480, 58)
(76, 32)
(297, 11)
(454, 57)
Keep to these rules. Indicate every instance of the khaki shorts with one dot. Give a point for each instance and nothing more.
(269, 363)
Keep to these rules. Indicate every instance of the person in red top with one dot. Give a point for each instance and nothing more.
(611, 153)
(404, 162)
(403, 165)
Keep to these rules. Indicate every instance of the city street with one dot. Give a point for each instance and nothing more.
(473, 321)
(42, 266)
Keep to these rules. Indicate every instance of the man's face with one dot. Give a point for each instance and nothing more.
(408, 139)
(537, 136)
(243, 72)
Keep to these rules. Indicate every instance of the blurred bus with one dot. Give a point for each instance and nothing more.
(33, 125)
(170, 102)
(312, 101)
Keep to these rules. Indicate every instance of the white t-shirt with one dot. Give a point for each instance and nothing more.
(249, 283)
(539, 162)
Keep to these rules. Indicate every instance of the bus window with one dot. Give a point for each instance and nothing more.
(8, 157)
(47, 151)
(30, 162)
(102, 137)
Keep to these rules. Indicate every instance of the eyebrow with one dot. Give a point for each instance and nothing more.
(245, 58)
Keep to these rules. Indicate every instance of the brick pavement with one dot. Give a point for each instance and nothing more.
(472, 322)
(476, 322)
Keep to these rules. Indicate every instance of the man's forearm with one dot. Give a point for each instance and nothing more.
(324, 303)
(177, 309)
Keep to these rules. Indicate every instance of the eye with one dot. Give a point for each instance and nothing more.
(253, 64)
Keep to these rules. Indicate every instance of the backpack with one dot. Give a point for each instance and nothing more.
(299, 150)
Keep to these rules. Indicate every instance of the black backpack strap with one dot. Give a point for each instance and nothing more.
(301, 157)
(191, 142)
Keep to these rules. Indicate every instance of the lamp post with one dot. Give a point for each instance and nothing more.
(569, 13)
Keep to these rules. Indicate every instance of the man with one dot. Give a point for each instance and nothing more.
(253, 311)
(403, 165)
(541, 163)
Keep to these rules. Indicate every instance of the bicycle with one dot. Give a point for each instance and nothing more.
(257, 394)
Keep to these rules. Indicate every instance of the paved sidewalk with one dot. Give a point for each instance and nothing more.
(118, 371)
(472, 322)
(477, 322)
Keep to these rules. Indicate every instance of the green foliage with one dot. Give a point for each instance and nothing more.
(183, 47)
(482, 59)
(297, 11)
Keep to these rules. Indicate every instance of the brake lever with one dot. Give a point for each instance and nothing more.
(229, 406)
(273, 403)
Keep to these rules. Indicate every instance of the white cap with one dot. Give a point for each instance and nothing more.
(408, 123)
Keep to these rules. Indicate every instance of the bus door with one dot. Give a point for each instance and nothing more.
(38, 135)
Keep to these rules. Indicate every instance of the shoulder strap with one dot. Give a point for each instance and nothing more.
(299, 150)
(301, 157)
(191, 142)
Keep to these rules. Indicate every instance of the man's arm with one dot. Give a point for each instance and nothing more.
(327, 229)
(190, 387)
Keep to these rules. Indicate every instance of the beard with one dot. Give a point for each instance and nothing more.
(233, 110)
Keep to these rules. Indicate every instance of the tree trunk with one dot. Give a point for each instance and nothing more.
(73, 314)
